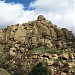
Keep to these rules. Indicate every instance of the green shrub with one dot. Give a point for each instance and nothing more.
(39, 69)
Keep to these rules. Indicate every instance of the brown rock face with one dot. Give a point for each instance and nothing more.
(40, 18)
(53, 34)
(60, 33)
(61, 44)
(33, 33)
(68, 34)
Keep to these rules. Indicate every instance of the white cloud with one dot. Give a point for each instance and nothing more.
(10, 13)
(60, 12)
(53, 5)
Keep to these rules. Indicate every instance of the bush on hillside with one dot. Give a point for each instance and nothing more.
(39, 69)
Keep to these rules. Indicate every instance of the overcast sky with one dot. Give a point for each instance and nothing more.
(59, 12)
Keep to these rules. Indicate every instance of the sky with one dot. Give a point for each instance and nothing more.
(59, 12)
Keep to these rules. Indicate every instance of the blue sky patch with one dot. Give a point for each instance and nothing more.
(24, 2)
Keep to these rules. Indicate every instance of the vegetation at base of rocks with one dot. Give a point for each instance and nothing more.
(39, 69)
(45, 50)
(1, 45)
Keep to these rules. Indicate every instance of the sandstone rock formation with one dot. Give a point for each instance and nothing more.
(37, 33)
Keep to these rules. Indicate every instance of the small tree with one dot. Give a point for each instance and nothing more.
(39, 69)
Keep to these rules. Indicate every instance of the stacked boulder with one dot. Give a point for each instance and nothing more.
(37, 33)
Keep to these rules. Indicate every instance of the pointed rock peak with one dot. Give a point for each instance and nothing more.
(40, 18)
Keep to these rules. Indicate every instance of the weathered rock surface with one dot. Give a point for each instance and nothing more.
(35, 32)
(3, 72)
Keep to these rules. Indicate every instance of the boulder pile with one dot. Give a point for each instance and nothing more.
(40, 32)
(19, 59)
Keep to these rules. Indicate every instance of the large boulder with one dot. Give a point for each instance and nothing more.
(46, 43)
(63, 73)
(64, 56)
(61, 45)
(68, 34)
(12, 51)
(53, 34)
(71, 36)
(35, 36)
(54, 56)
(60, 34)
(3, 72)
(71, 55)
(41, 17)
(43, 30)
(50, 62)
(47, 23)
(7, 32)
(20, 33)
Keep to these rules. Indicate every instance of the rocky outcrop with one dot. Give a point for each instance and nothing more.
(39, 32)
